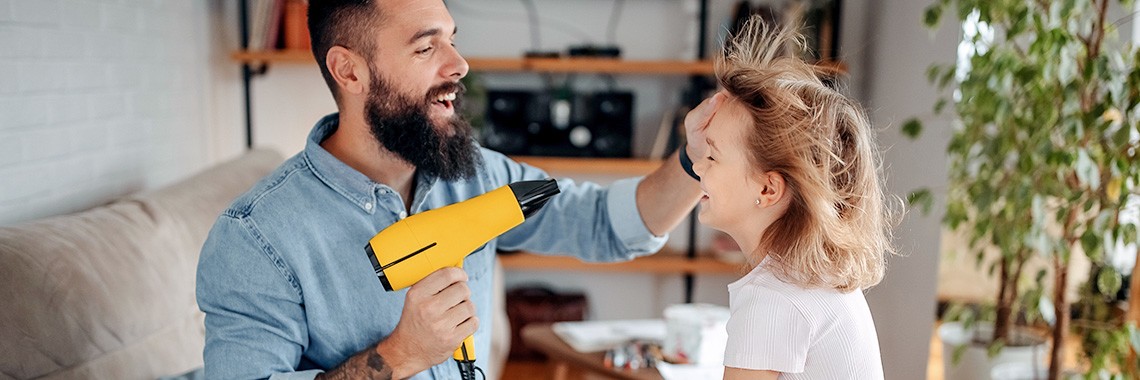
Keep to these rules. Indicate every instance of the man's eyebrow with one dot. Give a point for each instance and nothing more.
(429, 33)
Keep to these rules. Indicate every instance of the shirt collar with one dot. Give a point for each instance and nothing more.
(345, 180)
(348, 182)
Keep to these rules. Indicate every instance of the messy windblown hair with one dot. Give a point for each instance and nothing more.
(836, 232)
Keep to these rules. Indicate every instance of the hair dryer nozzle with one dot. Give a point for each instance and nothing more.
(532, 195)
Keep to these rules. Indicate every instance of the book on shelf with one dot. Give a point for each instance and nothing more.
(278, 24)
(296, 33)
(264, 24)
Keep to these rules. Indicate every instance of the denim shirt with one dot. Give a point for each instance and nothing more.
(288, 290)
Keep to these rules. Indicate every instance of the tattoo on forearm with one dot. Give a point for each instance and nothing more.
(376, 363)
(365, 365)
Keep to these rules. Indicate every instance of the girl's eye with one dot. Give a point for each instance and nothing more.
(710, 158)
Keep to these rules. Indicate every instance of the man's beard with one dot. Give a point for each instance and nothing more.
(402, 125)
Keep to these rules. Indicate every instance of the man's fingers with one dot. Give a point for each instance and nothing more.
(436, 281)
(699, 117)
(459, 313)
(468, 326)
(453, 295)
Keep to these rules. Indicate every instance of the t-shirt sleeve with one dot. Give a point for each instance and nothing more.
(766, 331)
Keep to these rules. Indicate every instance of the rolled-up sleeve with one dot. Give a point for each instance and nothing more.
(255, 321)
(586, 220)
(625, 219)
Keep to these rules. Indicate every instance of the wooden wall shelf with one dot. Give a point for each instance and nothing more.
(589, 165)
(590, 65)
(544, 65)
(665, 262)
(273, 56)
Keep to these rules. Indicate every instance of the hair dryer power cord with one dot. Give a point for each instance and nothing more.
(467, 370)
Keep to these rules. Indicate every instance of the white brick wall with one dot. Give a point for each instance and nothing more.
(99, 99)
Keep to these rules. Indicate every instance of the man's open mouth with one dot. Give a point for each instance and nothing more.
(445, 100)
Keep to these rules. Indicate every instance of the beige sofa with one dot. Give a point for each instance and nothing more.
(108, 293)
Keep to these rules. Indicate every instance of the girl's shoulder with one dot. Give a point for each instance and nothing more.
(763, 280)
(762, 287)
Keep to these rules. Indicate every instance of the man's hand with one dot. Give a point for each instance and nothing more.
(697, 122)
(666, 196)
(437, 315)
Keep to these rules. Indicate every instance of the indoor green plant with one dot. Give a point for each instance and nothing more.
(1043, 160)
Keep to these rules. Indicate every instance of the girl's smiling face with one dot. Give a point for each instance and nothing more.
(728, 182)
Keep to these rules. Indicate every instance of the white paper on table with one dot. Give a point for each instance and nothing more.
(594, 336)
(689, 371)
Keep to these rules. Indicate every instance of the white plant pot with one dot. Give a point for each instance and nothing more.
(976, 364)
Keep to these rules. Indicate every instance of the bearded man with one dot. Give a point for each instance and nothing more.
(282, 278)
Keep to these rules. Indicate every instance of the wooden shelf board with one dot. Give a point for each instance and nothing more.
(546, 65)
(269, 56)
(661, 263)
(588, 165)
(590, 65)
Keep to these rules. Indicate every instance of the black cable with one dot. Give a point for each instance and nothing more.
(467, 366)
(467, 369)
(615, 15)
(246, 74)
(532, 18)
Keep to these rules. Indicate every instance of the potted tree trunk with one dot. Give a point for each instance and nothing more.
(1045, 167)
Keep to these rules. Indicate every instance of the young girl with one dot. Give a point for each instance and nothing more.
(789, 169)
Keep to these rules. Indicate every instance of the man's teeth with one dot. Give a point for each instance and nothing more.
(446, 97)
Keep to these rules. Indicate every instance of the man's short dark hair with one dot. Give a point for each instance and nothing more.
(346, 23)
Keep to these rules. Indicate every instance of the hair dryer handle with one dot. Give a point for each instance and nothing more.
(466, 351)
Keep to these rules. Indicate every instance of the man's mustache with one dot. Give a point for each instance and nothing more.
(457, 87)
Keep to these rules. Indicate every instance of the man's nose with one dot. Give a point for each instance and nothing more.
(456, 67)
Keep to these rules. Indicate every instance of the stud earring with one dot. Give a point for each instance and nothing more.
(757, 201)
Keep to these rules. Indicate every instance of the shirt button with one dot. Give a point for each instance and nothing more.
(403, 214)
(368, 206)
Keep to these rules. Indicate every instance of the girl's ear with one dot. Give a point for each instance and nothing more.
(772, 188)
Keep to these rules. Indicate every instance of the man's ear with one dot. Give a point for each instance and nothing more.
(348, 69)
(772, 188)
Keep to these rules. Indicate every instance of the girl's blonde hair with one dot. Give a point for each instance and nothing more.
(836, 231)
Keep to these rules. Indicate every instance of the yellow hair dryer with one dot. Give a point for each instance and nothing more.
(410, 249)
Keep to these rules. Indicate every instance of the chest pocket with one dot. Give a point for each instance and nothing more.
(478, 263)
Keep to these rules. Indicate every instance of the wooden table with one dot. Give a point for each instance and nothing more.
(541, 337)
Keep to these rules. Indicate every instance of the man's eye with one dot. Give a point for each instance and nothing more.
(424, 50)
(710, 158)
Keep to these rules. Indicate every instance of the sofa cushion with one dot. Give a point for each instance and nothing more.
(109, 292)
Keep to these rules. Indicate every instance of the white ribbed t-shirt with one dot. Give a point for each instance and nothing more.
(802, 333)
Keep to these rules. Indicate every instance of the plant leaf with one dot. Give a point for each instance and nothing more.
(912, 128)
(939, 105)
(922, 198)
(932, 15)
(1108, 281)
